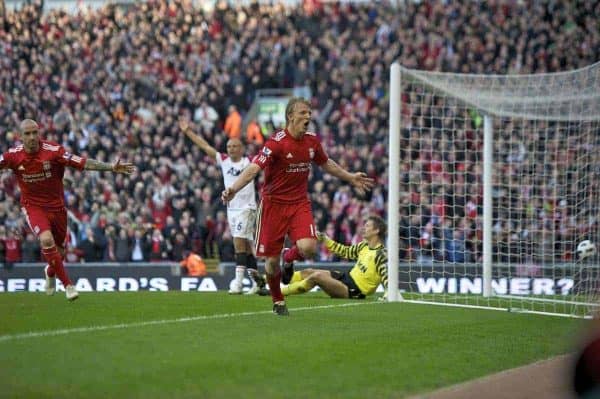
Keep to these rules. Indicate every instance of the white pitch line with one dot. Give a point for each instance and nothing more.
(65, 331)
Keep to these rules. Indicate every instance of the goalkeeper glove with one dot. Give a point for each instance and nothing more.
(321, 237)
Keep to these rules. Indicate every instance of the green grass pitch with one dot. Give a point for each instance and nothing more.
(213, 345)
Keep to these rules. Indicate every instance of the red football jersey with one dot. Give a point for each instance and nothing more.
(287, 162)
(40, 175)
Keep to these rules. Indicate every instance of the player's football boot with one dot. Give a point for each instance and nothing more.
(287, 268)
(71, 293)
(253, 290)
(280, 309)
(236, 290)
(260, 286)
(50, 285)
(263, 291)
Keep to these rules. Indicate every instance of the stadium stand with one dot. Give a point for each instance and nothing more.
(116, 79)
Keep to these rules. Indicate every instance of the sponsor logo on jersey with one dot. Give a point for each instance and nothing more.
(234, 172)
(46, 165)
(298, 167)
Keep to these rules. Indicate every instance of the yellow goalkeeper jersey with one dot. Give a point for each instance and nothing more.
(370, 269)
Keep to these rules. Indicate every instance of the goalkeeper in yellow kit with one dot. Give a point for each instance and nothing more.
(369, 271)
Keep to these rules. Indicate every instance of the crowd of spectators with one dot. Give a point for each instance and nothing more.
(114, 81)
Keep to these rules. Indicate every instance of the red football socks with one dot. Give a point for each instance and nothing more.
(292, 254)
(54, 259)
(274, 281)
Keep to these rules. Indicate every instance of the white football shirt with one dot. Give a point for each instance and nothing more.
(246, 197)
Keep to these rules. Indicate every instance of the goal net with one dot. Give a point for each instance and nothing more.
(493, 182)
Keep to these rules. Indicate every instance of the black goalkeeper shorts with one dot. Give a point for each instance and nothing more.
(353, 291)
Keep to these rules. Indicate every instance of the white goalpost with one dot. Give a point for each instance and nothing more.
(493, 181)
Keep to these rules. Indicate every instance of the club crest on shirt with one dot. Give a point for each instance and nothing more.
(311, 153)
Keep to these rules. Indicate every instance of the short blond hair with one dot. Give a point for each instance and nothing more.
(291, 104)
(379, 225)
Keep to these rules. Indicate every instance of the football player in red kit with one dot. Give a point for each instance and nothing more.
(39, 166)
(285, 208)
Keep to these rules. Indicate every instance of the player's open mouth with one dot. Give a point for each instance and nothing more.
(306, 124)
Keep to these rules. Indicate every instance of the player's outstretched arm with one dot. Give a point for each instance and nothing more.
(344, 251)
(243, 179)
(359, 180)
(117, 167)
(196, 139)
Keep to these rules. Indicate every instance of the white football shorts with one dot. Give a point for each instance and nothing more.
(242, 223)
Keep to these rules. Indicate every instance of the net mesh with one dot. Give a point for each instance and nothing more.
(545, 189)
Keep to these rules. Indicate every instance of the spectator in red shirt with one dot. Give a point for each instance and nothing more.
(12, 247)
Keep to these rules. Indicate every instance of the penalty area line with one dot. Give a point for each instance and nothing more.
(75, 330)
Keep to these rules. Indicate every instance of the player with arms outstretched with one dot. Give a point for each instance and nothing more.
(369, 271)
(285, 208)
(241, 211)
(39, 166)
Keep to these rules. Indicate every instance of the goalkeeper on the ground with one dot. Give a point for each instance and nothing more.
(369, 271)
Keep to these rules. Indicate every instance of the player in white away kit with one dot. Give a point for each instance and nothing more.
(241, 212)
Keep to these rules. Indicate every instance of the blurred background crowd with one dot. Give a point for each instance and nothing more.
(113, 82)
